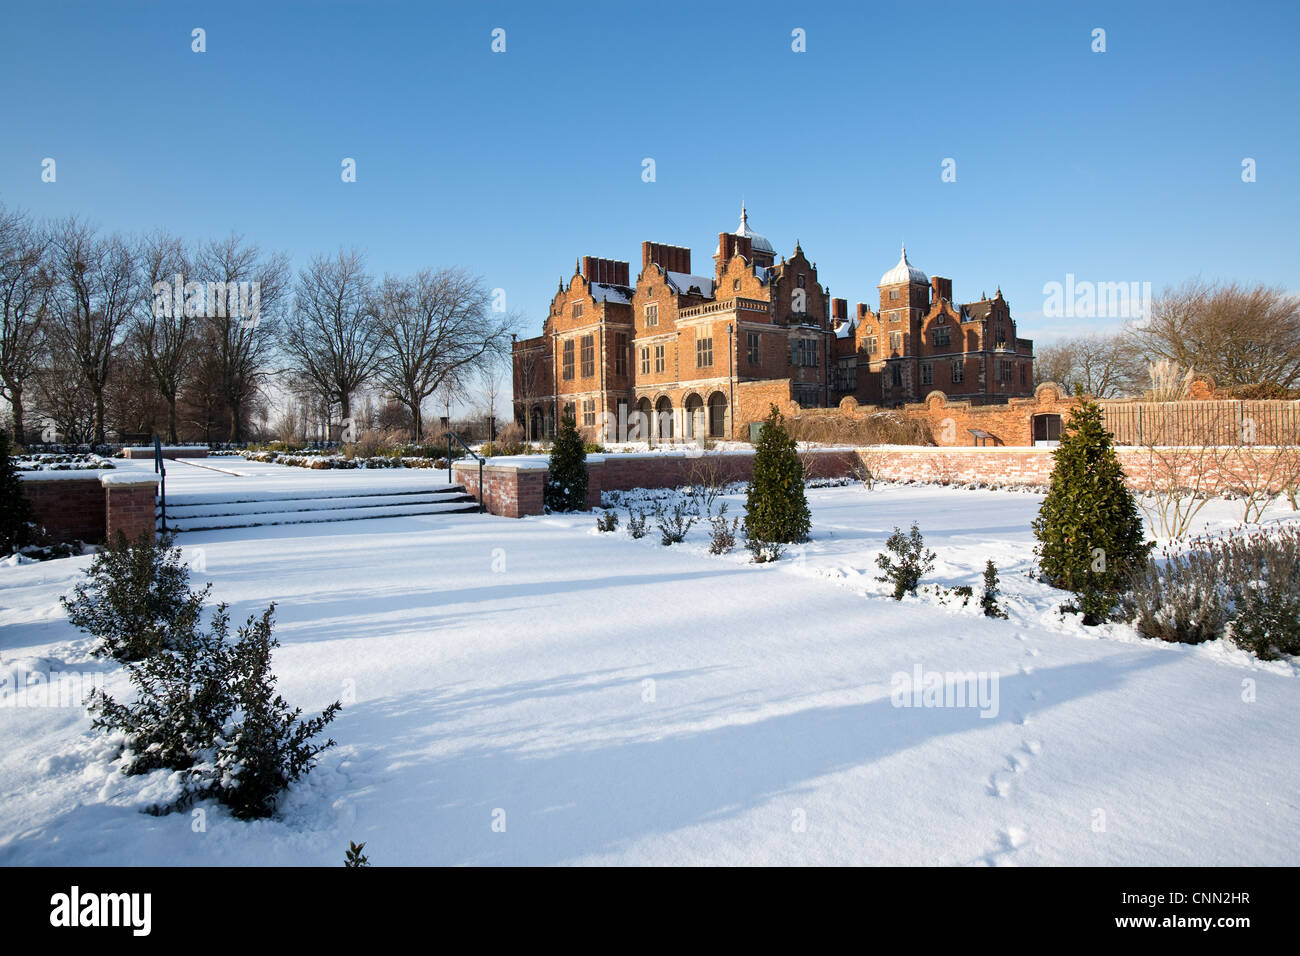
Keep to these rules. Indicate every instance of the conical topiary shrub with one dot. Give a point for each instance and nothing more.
(566, 481)
(776, 508)
(1089, 530)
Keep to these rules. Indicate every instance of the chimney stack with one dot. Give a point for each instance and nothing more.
(941, 287)
(668, 258)
(609, 271)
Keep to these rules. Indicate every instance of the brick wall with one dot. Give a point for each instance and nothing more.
(91, 508)
(510, 491)
(515, 489)
(1214, 471)
(69, 509)
(130, 505)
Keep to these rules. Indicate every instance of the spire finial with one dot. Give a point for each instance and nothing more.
(744, 217)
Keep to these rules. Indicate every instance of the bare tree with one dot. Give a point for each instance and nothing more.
(25, 286)
(241, 344)
(1239, 334)
(165, 333)
(436, 328)
(332, 338)
(1105, 366)
(96, 291)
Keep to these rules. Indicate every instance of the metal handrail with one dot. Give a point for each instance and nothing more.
(473, 454)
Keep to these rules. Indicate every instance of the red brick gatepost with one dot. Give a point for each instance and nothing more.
(130, 503)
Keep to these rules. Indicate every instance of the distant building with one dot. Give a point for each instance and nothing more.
(702, 355)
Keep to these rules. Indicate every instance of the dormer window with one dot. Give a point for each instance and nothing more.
(577, 310)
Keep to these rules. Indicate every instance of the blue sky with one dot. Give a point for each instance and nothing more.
(1115, 166)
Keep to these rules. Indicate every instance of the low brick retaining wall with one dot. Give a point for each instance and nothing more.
(1212, 470)
(91, 507)
(514, 486)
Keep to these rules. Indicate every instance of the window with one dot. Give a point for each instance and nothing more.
(896, 341)
(704, 352)
(941, 337)
(927, 373)
(800, 281)
(568, 410)
(588, 411)
(846, 376)
(588, 356)
(897, 373)
(893, 293)
(567, 364)
(645, 360)
(735, 285)
(806, 396)
(754, 348)
(620, 353)
(896, 316)
(652, 314)
(803, 353)
(958, 371)
(660, 364)
(577, 309)
(1024, 374)
(873, 345)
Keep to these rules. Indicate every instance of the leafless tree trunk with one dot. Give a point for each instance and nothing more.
(436, 328)
(332, 338)
(242, 345)
(25, 286)
(97, 289)
(165, 333)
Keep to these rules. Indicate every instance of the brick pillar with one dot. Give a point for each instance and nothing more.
(595, 474)
(130, 503)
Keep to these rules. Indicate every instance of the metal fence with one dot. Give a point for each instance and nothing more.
(1203, 423)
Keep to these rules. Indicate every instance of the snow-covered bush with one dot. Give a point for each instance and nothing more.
(607, 522)
(914, 561)
(636, 523)
(136, 598)
(989, 599)
(206, 706)
(762, 552)
(722, 533)
(1241, 585)
(265, 746)
(674, 523)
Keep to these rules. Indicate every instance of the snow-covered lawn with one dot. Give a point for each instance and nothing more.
(614, 701)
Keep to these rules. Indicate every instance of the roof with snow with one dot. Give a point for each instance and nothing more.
(684, 283)
(605, 292)
(904, 272)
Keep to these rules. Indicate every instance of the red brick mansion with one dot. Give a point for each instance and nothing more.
(704, 354)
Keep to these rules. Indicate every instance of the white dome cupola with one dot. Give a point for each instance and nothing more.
(904, 273)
